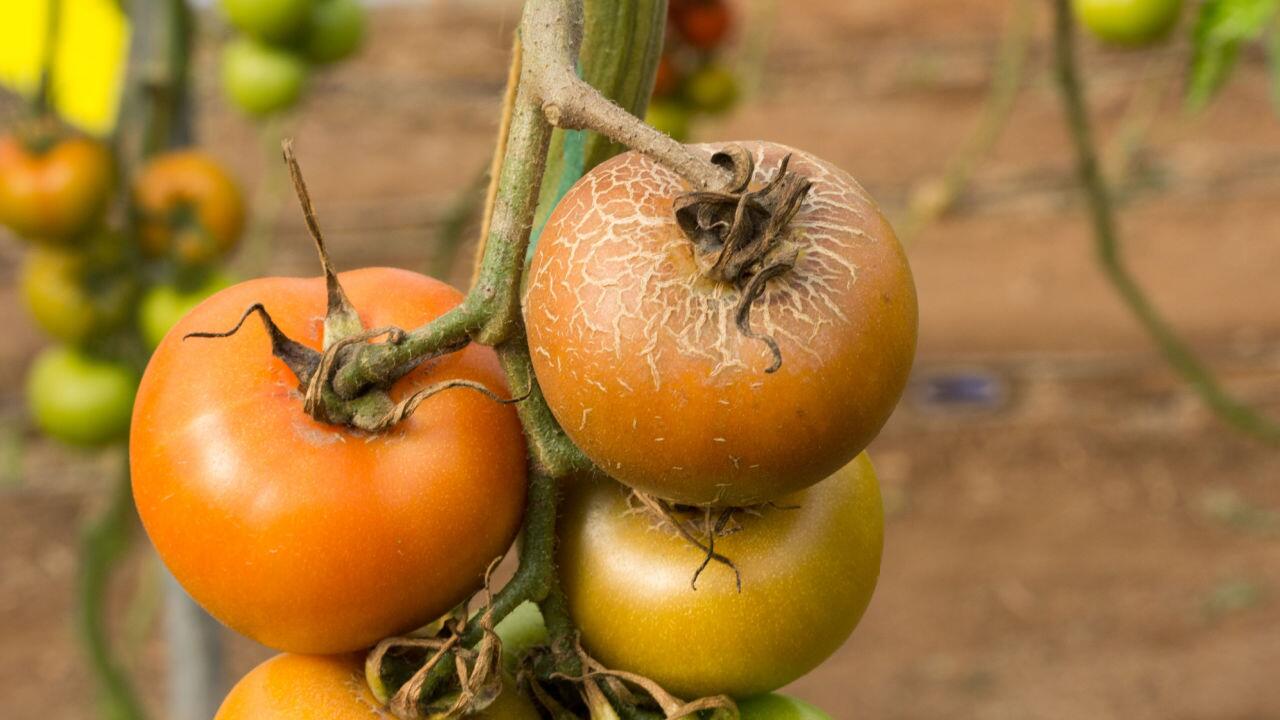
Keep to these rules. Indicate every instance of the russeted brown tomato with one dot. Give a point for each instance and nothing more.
(808, 565)
(642, 362)
(56, 194)
(309, 537)
(305, 687)
(191, 208)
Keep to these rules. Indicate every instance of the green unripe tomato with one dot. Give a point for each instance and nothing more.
(775, 706)
(164, 305)
(670, 117)
(68, 300)
(713, 89)
(273, 20)
(78, 399)
(335, 31)
(262, 79)
(1128, 22)
(520, 630)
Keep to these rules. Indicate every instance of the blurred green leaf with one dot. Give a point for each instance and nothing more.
(1230, 597)
(1222, 27)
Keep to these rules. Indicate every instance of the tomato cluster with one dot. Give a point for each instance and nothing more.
(265, 68)
(730, 538)
(102, 293)
(693, 76)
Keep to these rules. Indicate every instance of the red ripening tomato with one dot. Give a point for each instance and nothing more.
(303, 687)
(191, 207)
(808, 565)
(667, 79)
(704, 24)
(309, 537)
(641, 360)
(57, 194)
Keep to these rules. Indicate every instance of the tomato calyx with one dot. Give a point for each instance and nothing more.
(41, 134)
(345, 336)
(739, 235)
(699, 526)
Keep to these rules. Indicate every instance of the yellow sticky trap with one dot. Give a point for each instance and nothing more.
(89, 59)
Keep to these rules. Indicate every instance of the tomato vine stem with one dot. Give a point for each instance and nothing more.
(102, 543)
(548, 93)
(544, 91)
(1107, 244)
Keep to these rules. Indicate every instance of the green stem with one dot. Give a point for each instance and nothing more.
(941, 194)
(42, 103)
(101, 547)
(536, 573)
(550, 449)
(1107, 240)
(491, 311)
(621, 45)
(169, 121)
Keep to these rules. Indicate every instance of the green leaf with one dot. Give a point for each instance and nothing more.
(1222, 27)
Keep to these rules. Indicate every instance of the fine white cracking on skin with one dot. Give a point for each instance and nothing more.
(625, 271)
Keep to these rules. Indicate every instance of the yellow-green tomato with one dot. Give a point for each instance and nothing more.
(776, 706)
(273, 20)
(68, 299)
(331, 687)
(164, 305)
(335, 31)
(1128, 22)
(808, 562)
(262, 79)
(80, 400)
(713, 89)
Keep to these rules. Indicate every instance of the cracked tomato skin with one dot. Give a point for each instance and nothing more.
(305, 687)
(309, 537)
(55, 195)
(641, 361)
(809, 566)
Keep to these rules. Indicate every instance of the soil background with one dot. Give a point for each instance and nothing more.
(1077, 538)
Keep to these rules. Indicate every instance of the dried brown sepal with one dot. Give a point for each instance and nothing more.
(670, 517)
(739, 234)
(721, 707)
(341, 319)
(548, 702)
(405, 407)
(313, 399)
(300, 359)
(477, 674)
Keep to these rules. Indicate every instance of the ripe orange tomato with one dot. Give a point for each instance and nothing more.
(704, 24)
(305, 687)
(309, 537)
(191, 208)
(53, 195)
(642, 363)
(808, 565)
